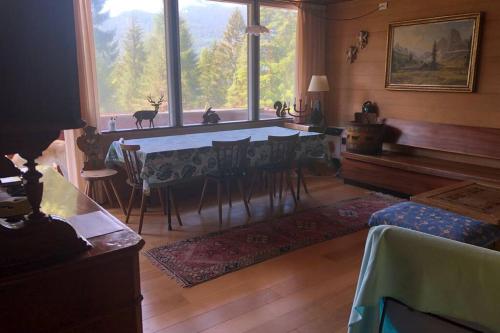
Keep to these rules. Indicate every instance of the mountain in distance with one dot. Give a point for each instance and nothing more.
(451, 51)
(206, 24)
(121, 23)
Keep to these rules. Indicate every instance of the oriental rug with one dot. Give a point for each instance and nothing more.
(199, 259)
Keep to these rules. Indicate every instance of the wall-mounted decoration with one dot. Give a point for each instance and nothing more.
(434, 54)
(362, 39)
(351, 54)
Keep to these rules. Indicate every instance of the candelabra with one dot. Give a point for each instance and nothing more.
(299, 114)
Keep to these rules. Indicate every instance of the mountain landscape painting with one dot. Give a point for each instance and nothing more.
(437, 54)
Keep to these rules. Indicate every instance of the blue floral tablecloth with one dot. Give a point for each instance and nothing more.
(168, 158)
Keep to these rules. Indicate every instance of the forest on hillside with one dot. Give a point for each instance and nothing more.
(131, 69)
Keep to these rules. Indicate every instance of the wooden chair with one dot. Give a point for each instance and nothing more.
(94, 172)
(133, 167)
(231, 166)
(281, 163)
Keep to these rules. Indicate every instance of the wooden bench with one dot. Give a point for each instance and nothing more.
(422, 156)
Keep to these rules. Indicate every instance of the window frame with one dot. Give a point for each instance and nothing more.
(173, 65)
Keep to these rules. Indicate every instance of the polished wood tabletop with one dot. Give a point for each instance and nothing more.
(62, 199)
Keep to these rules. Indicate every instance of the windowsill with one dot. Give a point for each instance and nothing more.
(221, 125)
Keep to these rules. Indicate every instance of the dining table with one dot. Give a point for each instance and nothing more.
(179, 157)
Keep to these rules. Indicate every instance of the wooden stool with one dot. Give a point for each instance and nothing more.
(94, 171)
(105, 177)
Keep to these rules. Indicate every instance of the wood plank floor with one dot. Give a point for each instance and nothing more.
(309, 290)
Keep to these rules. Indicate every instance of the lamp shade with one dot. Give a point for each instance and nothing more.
(318, 83)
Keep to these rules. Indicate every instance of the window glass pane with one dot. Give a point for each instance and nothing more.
(213, 47)
(277, 58)
(129, 38)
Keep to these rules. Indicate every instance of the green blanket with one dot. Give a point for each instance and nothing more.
(428, 273)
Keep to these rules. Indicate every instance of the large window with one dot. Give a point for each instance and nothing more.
(131, 59)
(129, 38)
(213, 47)
(277, 58)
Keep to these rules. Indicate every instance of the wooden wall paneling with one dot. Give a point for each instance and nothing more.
(352, 84)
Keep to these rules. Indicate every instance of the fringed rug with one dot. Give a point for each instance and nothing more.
(199, 259)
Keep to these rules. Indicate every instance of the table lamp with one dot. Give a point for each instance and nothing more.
(318, 84)
(39, 98)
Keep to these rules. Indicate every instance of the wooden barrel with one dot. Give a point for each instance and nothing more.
(365, 138)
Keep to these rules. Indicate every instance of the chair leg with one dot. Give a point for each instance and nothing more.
(117, 196)
(228, 191)
(91, 190)
(270, 182)
(273, 184)
(169, 209)
(130, 203)
(281, 185)
(87, 188)
(290, 186)
(243, 196)
(299, 176)
(106, 191)
(162, 201)
(203, 195)
(252, 184)
(303, 180)
(219, 202)
(143, 208)
(176, 208)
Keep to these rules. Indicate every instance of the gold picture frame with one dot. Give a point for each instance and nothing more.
(433, 54)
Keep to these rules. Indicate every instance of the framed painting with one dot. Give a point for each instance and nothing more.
(434, 54)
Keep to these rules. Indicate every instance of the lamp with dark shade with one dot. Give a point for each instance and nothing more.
(39, 97)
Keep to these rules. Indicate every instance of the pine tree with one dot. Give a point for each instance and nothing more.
(127, 74)
(155, 69)
(277, 61)
(106, 52)
(212, 88)
(434, 56)
(218, 65)
(190, 73)
(237, 94)
(231, 44)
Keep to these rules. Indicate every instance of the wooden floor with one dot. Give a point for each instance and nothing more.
(309, 290)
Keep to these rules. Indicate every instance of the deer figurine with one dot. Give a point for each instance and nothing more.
(148, 114)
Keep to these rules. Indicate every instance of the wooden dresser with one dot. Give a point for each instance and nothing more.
(98, 291)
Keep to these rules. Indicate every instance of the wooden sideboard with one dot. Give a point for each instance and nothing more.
(97, 291)
(405, 172)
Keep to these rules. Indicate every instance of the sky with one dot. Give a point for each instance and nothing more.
(117, 7)
(419, 38)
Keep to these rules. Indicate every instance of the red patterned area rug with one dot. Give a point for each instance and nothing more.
(199, 259)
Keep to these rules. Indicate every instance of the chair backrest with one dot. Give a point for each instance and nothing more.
(133, 164)
(90, 144)
(231, 155)
(283, 148)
